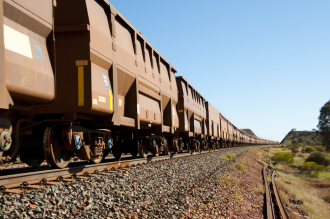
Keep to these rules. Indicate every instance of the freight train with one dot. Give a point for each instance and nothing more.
(77, 79)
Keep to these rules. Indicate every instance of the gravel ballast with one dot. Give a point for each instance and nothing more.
(205, 186)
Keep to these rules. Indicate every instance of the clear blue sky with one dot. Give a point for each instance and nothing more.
(265, 65)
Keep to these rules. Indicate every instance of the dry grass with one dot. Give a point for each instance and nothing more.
(240, 167)
(301, 189)
(238, 197)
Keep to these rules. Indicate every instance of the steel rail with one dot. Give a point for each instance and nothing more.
(269, 202)
(11, 181)
(279, 201)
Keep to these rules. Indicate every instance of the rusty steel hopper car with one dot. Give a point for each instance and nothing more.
(27, 73)
(192, 116)
(212, 127)
(77, 79)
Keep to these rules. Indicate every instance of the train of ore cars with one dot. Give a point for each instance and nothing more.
(77, 79)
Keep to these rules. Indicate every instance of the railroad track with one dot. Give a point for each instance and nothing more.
(272, 212)
(17, 179)
(283, 212)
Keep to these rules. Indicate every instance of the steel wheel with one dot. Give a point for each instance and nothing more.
(143, 152)
(167, 149)
(106, 152)
(117, 154)
(96, 160)
(33, 162)
(55, 155)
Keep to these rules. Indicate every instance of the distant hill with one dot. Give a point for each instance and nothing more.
(249, 132)
(302, 138)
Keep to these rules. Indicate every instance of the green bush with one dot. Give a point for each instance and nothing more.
(240, 167)
(319, 158)
(283, 158)
(320, 149)
(224, 158)
(324, 174)
(266, 150)
(294, 148)
(309, 150)
(231, 155)
(311, 168)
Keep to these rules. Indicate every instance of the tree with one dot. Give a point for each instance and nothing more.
(324, 125)
(311, 168)
(293, 129)
(283, 158)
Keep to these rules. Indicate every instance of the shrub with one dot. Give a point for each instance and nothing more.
(324, 174)
(319, 158)
(300, 155)
(240, 167)
(311, 168)
(320, 149)
(283, 158)
(224, 158)
(309, 150)
(266, 150)
(238, 197)
(231, 155)
(294, 148)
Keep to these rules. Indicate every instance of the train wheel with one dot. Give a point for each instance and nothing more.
(117, 154)
(106, 152)
(55, 154)
(134, 154)
(96, 160)
(33, 162)
(143, 152)
(167, 149)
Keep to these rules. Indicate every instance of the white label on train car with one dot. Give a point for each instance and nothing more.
(120, 102)
(138, 109)
(173, 111)
(102, 99)
(105, 80)
(17, 42)
(95, 101)
(37, 50)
